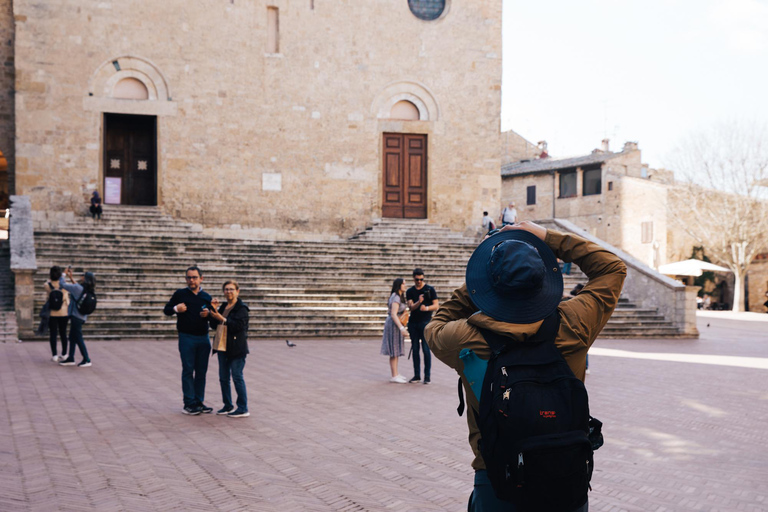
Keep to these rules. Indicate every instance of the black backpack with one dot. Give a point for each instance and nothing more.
(86, 304)
(535, 424)
(55, 299)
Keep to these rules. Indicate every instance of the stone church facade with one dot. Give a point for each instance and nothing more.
(267, 118)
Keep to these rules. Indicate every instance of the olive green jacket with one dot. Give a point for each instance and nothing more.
(455, 325)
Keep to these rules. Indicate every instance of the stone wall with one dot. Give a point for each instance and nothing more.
(6, 98)
(307, 121)
(515, 148)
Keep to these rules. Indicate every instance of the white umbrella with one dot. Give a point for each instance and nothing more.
(690, 268)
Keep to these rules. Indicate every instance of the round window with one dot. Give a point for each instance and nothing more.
(427, 9)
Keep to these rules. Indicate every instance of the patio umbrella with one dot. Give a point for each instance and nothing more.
(690, 268)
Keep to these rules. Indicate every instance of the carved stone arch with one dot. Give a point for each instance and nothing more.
(110, 72)
(412, 91)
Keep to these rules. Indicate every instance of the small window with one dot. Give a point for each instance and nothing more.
(568, 184)
(610, 185)
(647, 232)
(531, 194)
(593, 183)
(273, 30)
(427, 10)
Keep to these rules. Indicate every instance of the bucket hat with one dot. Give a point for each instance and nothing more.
(514, 277)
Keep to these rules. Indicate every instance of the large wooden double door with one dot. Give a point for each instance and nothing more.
(130, 159)
(405, 176)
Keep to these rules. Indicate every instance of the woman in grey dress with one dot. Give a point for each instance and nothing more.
(394, 331)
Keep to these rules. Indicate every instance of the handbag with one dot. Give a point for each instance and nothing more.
(220, 338)
(404, 317)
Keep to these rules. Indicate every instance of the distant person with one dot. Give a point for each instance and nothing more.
(422, 301)
(95, 205)
(488, 223)
(77, 319)
(191, 307)
(232, 319)
(508, 215)
(392, 341)
(58, 311)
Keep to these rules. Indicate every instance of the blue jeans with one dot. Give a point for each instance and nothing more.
(234, 367)
(416, 332)
(76, 338)
(194, 351)
(483, 499)
(567, 268)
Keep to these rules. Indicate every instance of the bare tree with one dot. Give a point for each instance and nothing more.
(722, 200)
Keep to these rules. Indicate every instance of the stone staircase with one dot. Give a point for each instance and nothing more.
(294, 289)
(8, 330)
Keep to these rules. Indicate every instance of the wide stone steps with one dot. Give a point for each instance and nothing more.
(295, 289)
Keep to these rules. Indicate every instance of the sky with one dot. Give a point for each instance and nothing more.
(650, 71)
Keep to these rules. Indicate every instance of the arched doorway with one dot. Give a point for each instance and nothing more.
(130, 168)
(405, 176)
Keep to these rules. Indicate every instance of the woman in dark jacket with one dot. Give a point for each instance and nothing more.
(233, 315)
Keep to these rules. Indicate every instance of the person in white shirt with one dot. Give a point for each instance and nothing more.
(508, 215)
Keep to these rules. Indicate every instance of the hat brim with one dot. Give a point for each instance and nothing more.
(511, 309)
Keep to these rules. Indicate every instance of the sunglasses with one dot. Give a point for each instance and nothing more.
(418, 278)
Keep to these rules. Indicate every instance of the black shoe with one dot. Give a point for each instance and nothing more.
(205, 409)
(414, 380)
(192, 410)
(426, 381)
(67, 362)
(84, 364)
(225, 410)
(239, 414)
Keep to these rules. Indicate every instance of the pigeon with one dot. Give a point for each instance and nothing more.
(290, 343)
(707, 325)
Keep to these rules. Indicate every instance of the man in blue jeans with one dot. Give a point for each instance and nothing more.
(422, 301)
(191, 307)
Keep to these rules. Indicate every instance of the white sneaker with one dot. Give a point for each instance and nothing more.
(55, 359)
(587, 372)
(399, 379)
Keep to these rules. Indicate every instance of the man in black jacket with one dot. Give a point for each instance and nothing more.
(191, 306)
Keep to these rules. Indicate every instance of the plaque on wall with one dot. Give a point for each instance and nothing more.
(112, 190)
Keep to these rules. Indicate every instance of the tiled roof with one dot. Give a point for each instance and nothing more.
(551, 164)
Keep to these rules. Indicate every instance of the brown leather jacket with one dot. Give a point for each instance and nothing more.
(454, 326)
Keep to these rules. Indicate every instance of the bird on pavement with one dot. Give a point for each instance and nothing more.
(290, 343)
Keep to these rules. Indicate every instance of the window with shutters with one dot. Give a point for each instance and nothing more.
(531, 195)
(593, 183)
(568, 184)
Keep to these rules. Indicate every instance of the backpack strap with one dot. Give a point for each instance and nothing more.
(547, 332)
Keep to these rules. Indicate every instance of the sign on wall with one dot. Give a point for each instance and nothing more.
(272, 181)
(112, 190)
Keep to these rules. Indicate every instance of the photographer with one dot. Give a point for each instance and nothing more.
(77, 319)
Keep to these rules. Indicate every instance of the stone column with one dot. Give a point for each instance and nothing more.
(25, 302)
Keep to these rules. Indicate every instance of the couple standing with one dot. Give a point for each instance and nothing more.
(195, 312)
(421, 302)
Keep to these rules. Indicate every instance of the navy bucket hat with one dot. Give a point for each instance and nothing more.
(514, 277)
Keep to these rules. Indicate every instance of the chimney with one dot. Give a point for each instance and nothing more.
(605, 145)
(629, 146)
(542, 146)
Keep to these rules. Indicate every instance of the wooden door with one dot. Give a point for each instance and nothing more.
(405, 176)
(130, 167)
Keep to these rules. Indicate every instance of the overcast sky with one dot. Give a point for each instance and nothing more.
(650, 71)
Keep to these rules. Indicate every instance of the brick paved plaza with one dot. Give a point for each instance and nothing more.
(328, 432)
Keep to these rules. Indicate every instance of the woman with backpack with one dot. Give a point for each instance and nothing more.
(81, 291)
(58, 305)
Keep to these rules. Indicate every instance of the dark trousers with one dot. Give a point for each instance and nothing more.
(416, 332)
(76, 338)
(483, 499)
(194, 351)
(232, 367)
(58, 325)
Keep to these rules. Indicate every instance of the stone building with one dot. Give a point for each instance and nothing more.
(612, 195)
(271, 118)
